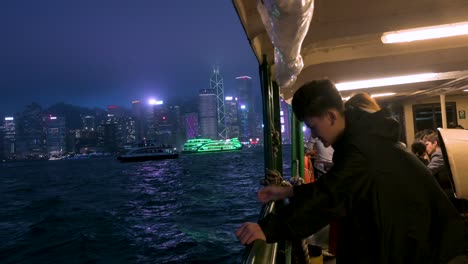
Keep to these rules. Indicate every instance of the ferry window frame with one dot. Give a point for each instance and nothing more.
(450, 108)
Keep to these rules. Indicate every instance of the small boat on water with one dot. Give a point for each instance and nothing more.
(149, 153)
(199, 145)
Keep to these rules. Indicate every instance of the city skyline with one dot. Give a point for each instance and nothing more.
(127, 103)
(64, 129)
(112, 52)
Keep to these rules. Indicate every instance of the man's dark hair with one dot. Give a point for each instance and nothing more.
(431, 138)
(418, 147)
(315, 98)
(421, 134)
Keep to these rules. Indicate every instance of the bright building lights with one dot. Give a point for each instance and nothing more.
(228, 98)
(155, 102)
(414, 78)
(439, 31)
(9, 118)
(53, 118)
(243, 107)
(304, 128)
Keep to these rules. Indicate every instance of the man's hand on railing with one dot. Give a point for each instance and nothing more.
(249, 232)
(274, 193)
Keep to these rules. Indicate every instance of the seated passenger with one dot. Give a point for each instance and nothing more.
(419, 149)
(436, 163)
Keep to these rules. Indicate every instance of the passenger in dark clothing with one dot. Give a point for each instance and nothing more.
(419, 149)
(437, 164)
(395, 212)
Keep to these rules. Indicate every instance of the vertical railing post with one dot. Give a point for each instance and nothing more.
(271, 120)
(297, 142)
(259, 252)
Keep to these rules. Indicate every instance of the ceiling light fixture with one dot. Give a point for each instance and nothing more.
(404, 79)
(440, 31)
(382, 94)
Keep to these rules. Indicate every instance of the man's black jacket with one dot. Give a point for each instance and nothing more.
(393, 209)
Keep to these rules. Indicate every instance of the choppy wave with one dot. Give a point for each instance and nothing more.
(102, 211)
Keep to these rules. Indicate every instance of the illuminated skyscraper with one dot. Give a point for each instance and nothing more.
(154, 118)
(2, 141)
(232, 120)
(246, 108)
(177, 126)
(30, 132)
(207, 104)
(55, 134)
(216, 84)
(138, 112)
(129, 134)
(89, 123)
(109, 134)
(191, 125)
(9, 136)
(163, 125)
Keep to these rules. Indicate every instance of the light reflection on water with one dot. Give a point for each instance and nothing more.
(102, 211)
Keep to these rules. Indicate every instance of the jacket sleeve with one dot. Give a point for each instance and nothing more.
(314, 205)
(436, 163)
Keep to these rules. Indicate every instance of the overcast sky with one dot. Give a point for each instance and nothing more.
(102, 52)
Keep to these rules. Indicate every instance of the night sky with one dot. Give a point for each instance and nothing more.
(101, 52)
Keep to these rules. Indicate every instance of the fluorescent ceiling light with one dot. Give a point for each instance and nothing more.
(382, 94)
(465, 90)
(440, 31)
(415, 78)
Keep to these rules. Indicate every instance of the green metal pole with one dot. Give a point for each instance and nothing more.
(266, 86)
(277, 126)
(272, 140)
(271, 120)
(297, 152)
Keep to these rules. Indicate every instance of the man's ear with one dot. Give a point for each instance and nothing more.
(332, 116)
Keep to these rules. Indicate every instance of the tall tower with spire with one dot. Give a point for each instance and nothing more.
(216, 83)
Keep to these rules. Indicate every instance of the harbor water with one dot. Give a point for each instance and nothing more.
(101, 211)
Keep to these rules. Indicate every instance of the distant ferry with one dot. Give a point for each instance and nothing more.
(149, 153)
(198, 145)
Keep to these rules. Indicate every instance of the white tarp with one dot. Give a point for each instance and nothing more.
(287, 23)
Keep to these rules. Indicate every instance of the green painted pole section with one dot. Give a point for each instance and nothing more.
(272, 141)
(297, 152)
(277, 123)
(265, 84)
(271, 120)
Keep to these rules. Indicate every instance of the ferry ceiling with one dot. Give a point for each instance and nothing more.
(345, 43)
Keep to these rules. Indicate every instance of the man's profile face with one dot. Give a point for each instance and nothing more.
(322, 128)
(430, 147)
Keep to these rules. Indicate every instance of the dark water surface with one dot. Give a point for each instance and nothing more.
(103, 211)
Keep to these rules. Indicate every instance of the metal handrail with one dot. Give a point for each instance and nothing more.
(259, 252)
